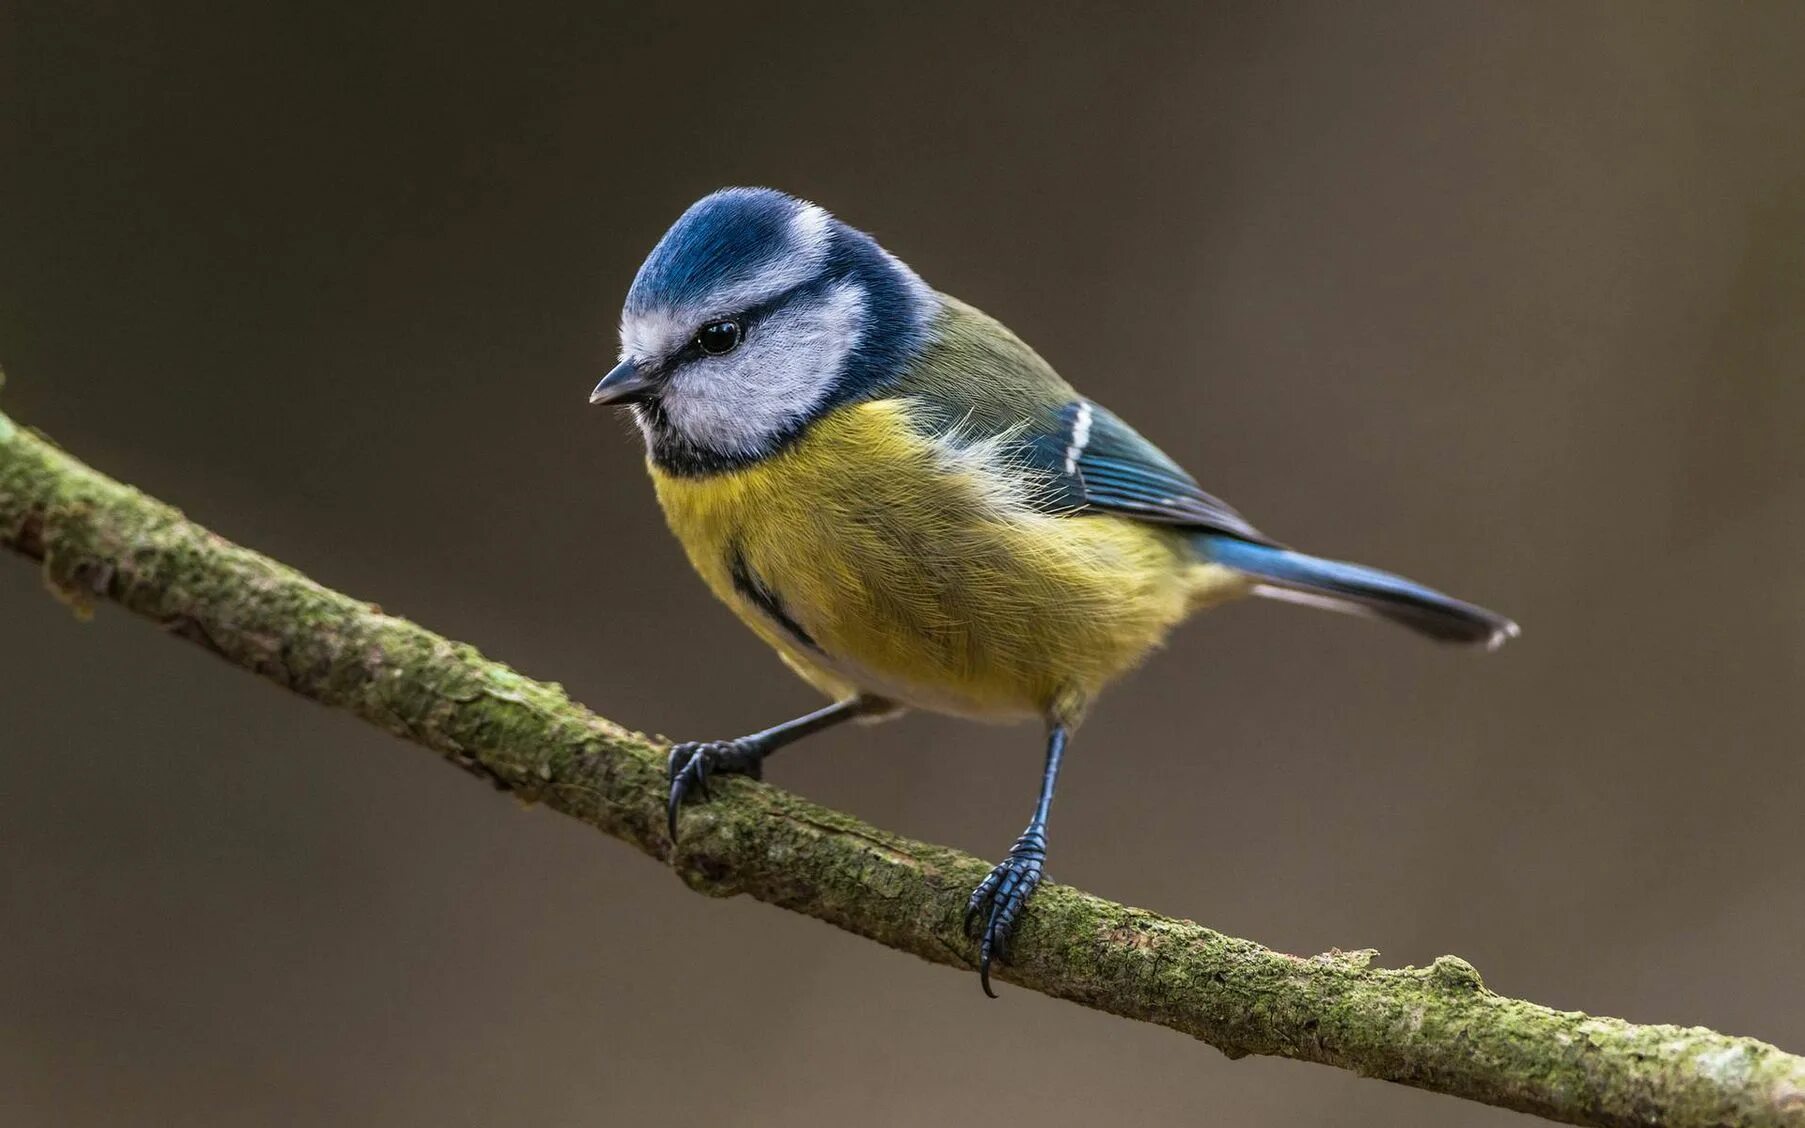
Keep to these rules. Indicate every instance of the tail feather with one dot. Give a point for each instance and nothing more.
(1296, 578)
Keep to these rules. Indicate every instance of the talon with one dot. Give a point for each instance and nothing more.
(690, 763)
(979, 897)
(1000, 946)
(683, 757)
(676, 799)
(1003, 892)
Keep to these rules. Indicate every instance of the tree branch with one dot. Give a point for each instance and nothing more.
(1436, 1028)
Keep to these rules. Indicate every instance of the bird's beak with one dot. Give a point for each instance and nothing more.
(626, 383)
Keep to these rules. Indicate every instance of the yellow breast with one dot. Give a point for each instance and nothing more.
(876, 559)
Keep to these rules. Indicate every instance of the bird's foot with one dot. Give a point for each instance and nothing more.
(999, 899)
(692, 762)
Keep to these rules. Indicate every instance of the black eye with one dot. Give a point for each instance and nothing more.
(718, 337)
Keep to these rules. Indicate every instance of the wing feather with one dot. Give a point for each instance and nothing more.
(1098, 462)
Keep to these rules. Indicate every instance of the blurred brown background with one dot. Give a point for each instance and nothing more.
(1507, 297)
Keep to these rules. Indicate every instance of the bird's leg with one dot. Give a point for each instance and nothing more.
(692, 762)
(999, 899)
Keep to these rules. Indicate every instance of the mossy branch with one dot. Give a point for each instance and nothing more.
(1436, 1028)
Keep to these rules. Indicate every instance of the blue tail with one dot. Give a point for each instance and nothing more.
(1292, 576)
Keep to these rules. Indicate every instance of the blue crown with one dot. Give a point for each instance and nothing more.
(723, 238)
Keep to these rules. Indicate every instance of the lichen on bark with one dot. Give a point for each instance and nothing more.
(1437, 1028)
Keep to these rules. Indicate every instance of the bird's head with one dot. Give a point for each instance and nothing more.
(755, 314)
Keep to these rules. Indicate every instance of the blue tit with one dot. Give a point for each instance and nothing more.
(915, 510)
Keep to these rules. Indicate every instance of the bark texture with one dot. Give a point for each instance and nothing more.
(1436, 1028)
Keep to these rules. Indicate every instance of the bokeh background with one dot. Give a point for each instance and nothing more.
(1507, 297)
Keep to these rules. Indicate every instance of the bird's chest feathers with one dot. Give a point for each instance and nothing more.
(835, 538)
(912, 565)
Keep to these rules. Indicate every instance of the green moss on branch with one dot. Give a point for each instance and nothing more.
(1436, 1028)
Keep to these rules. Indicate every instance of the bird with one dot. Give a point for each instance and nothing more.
(916, 511)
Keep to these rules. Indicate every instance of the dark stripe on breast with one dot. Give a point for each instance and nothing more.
(766, 600)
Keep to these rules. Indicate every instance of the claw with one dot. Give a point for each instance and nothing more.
(999, 943)
(676, 802)
(979, 897)
(690, 763)
(988, 950)
(1003, 893)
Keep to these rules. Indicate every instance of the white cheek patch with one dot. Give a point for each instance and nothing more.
(739, 403)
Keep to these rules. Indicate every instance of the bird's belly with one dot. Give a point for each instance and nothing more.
(875, 564)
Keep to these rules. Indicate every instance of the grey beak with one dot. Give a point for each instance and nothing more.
(625, 383)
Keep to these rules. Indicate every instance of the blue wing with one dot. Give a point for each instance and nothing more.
(1097, 462)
